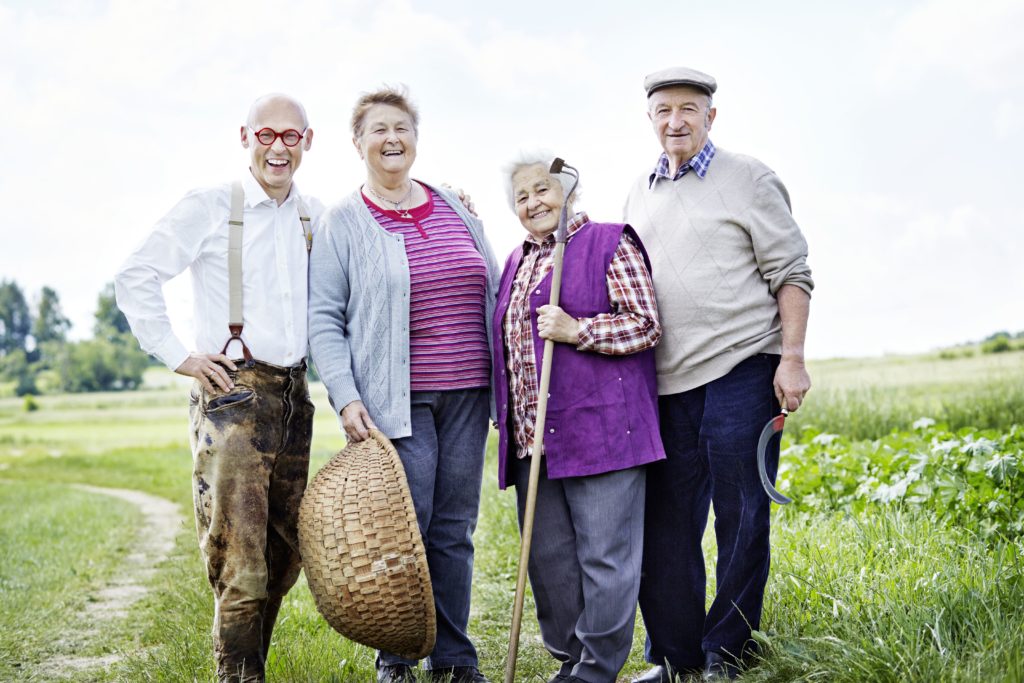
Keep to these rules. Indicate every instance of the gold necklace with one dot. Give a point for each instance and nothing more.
(402, 213)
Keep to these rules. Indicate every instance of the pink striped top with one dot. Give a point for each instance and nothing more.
(448, 281)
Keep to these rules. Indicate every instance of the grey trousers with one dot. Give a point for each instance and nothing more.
(585, 566)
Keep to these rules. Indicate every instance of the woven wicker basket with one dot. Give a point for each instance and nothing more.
(362, 552)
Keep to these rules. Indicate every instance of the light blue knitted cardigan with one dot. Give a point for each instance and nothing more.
(359, 309)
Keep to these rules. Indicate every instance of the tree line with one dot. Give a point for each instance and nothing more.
(36, 356)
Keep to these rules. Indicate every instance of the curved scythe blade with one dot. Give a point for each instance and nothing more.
(773, 427)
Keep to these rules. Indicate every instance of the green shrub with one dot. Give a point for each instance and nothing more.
(31, 405)
(956, 352)
(1000, 344)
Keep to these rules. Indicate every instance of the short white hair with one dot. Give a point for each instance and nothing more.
(538, 157)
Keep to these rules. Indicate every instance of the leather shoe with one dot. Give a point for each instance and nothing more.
(395, 673)
(717, 668)
(458, 674)
(656, 674)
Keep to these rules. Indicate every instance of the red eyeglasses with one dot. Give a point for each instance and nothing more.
(267, 136)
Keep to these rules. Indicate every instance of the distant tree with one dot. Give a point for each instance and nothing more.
(15, 319)
(100, 365)
(110, 321)
(50, 324)
(15, 367)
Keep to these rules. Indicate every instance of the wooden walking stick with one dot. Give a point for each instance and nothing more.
(557, 166)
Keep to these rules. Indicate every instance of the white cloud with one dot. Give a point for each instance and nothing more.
(895, 274)
(976, 43)
(1008, 120)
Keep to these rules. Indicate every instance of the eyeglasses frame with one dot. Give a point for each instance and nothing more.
(256, 134)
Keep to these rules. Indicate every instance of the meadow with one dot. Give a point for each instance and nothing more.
(901, 560)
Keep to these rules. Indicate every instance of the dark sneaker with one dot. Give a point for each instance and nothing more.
(458, 674)
(395, 673)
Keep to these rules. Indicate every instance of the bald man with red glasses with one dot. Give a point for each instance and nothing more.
(246, 245)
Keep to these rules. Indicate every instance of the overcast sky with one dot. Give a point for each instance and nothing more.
(898, 128)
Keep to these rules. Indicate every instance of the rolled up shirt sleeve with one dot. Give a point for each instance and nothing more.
(167, 251)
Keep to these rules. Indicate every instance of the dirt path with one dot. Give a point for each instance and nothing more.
(161, 523)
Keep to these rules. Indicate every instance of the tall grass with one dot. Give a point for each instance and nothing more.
(891, 596)
(869, 398)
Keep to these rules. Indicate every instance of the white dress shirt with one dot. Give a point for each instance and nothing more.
(194, 235)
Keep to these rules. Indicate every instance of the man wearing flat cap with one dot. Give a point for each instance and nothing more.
(733, 288)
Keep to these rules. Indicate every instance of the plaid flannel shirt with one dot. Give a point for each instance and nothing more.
(699, 163)
(632, 326)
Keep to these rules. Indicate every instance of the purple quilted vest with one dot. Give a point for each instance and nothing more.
(602, 410)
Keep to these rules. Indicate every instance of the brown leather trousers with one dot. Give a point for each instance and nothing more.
(250, 450)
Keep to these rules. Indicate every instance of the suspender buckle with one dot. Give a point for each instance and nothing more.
(236, 334)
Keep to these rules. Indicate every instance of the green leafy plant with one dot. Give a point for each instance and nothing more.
(967, 477)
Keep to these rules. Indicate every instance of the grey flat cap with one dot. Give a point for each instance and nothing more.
(680, 75)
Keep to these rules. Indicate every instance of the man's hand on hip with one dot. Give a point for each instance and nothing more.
(208, 368)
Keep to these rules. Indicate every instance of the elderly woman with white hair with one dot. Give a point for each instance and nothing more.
(601, 425)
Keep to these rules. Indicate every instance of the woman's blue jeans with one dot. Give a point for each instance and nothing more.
(444, 461)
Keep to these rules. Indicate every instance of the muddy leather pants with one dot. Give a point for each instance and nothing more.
(250, 450)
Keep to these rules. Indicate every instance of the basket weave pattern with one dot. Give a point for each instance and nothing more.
(362, 552)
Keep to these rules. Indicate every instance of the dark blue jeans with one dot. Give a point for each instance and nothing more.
(710, 435)
(444, 463)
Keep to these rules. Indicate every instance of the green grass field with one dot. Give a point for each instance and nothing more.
(858, 593)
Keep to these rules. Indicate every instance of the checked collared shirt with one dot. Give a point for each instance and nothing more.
(699, 163)
(632, 326)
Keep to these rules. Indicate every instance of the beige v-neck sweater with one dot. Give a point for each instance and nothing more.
(720, 247)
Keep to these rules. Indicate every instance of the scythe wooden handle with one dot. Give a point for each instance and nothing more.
(531, 490)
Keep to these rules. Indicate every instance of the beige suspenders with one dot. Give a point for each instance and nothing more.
(235, 264)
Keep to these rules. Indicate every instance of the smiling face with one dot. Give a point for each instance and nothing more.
(274, 165)
(387, 143)
(681, 119)
(538, 198)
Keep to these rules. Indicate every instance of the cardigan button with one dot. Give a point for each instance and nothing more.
(552, 430)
